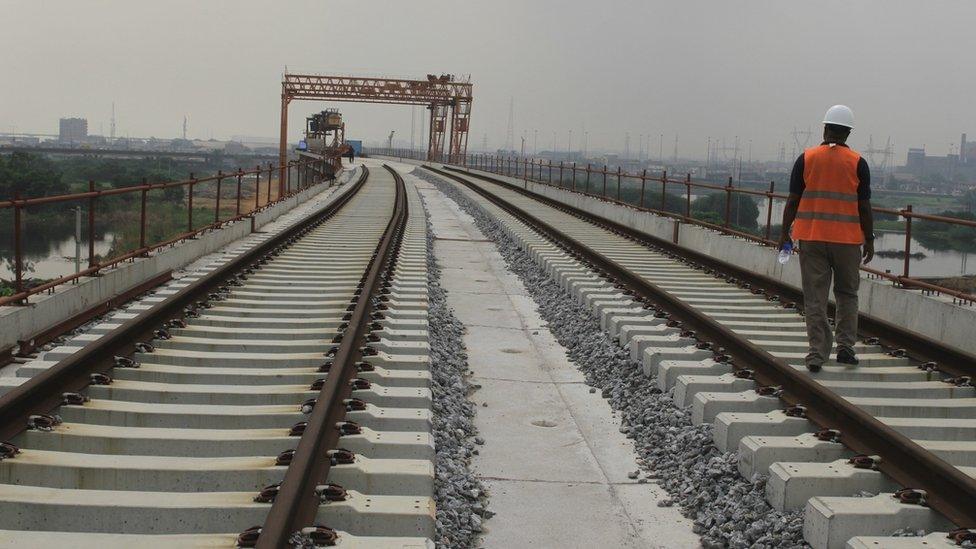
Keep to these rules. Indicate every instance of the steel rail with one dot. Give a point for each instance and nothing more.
(949, 490)
(296, 503)
(43, 392)
(951, 360)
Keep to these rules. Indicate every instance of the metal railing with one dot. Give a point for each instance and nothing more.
(651, 194)
(297, 176)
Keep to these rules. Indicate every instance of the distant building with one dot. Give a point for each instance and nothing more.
(233, 147)
(73, 130)
(915, 163)
(967, 151)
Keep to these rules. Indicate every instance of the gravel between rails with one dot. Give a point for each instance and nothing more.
(727, 510)
(460, 497)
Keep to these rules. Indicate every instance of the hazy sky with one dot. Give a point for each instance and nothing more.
(719, 68)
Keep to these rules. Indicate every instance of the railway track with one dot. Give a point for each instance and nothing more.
(897, 426)
(279, 397)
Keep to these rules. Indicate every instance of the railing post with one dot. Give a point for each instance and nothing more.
(91, 225)
(769, 210)
(517, 167)
(18, 252)
(284, 179)
(560, 173)
(142, 216)
(908, 239)
(237, 209)
(587, 178)
(220, 179)
(618, 183)
(574, 176)
(604, 181)
(550, 171)
(728, 203)
(189, 205)
(664, 190)
(257, 187)
(643, 185)
(270, 171)
(688, 196)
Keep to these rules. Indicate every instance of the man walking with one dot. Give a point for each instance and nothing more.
(829, 211)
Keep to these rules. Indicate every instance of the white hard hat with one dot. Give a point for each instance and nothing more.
(839, 115)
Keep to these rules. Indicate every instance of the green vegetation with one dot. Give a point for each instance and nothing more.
(944, 236)
(897, 202)
(33, 176)
(743, 211)
(30, 176)
(889, 226)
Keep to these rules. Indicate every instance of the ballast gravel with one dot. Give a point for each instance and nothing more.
(460, 497)
(727, 510)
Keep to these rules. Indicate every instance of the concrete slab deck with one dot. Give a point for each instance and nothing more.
(554, 461)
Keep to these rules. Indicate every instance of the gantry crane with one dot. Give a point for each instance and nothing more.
(445, 96)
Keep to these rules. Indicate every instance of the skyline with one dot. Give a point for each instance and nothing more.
(754, 70)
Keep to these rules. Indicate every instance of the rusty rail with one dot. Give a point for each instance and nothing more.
(950, 491)
(92, 196)
(497, 164)
(297, 502)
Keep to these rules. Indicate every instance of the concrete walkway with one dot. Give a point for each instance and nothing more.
(554, 461)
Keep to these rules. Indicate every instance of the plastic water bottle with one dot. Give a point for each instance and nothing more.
(785, 252)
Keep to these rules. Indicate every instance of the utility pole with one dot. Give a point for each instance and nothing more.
(660, 151)
(535, 141)
(112, 136)
(569, 147)
(184, 127)
(675, 148)
(510, 134)
(523, 146)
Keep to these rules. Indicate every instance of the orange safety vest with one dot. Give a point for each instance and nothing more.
(828, 206)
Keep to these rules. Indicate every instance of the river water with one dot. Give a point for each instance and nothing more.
(58, 261)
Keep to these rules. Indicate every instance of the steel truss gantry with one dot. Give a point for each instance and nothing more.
(445, 97)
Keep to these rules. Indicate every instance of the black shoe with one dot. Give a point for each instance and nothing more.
(814, 368)
(846, 357)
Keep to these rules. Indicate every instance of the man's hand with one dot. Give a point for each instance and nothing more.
(782, 240)
(867, 252)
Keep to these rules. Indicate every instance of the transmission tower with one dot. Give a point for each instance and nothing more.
(782, 152)
(184, 127)
(801, 139)
(886, 153)
(510, 134)
(112, 135)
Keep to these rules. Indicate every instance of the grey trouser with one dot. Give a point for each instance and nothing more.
(819, 261)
